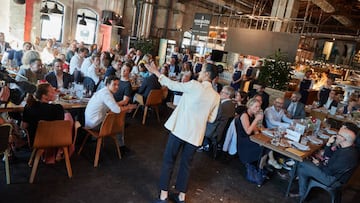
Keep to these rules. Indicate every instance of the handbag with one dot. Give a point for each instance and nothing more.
(254, 175)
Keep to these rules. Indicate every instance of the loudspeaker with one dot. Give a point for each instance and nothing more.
(108, 14)
(217, 55)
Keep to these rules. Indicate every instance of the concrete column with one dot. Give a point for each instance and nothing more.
(284, 9)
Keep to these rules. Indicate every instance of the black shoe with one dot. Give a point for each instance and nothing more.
(175, 197)
(125, 151)
(160, 201)
(284, 175)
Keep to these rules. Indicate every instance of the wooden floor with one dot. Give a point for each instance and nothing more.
(134, 179)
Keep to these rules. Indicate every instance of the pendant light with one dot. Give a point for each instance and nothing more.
(82, 21)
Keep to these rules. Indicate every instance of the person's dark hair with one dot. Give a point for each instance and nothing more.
(129, 65)
(244, 97)
(25, 43)
(95, 55)
(34, 60)
(41, 90)
(111, 78)
(83, 49)
(212, 70)
(57, 60)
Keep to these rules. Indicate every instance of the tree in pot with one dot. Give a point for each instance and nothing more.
(276, 72)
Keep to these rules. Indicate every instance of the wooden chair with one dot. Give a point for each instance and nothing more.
(5, 130)
(112, 125)
(153, 100)
(52, 134)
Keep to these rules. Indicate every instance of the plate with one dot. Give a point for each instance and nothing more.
(339, 116)
(331, 132)
(314, 140)
(268, 133)
(299, 146)
(68, 97)
(323, 136)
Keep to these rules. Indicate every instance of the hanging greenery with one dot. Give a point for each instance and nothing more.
(276, 72)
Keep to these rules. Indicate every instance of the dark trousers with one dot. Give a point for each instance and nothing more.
(173, 148)
(308, 170)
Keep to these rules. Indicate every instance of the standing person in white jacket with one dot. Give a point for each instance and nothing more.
(199, 104)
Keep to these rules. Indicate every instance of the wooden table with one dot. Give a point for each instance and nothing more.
(66, 105)
(339, 118)
(297, 155)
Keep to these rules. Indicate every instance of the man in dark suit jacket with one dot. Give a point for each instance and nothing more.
(58, 72)
(149, 83)
(294, 108)
(214, 131)
(173, 67)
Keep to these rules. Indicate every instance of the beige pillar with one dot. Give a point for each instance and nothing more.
(284, 10)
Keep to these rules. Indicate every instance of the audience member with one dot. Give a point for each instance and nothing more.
(214, 131)
(240, 100)
(123, 94)
(18, 55)
(33, 74)
(294, 108)
(275, 115)
(59, 79)
(265, 96)
(330, 101)
(343, 160)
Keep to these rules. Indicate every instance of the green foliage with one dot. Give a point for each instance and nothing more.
(147, 46)
(276, 72)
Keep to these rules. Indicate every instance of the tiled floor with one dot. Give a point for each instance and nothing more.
(134, 179)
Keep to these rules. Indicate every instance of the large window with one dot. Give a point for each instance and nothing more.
(86, 33)
(52, 28)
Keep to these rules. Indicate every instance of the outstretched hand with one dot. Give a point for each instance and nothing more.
(152, 68)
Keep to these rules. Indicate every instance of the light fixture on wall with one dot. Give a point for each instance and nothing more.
(45, 8)
(56, 10)
(82, 21)
(44, 17)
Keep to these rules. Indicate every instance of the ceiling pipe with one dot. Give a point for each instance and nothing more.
(328, 8)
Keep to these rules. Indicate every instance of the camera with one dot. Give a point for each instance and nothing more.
(18, 89)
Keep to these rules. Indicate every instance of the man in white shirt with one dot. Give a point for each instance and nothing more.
(103, 101)
(77, 60)
(199, 104)
(275, 115)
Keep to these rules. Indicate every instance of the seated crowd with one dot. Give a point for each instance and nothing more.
(113, 79)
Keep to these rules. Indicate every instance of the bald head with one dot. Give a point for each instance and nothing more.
(278, 103)
(345, 137)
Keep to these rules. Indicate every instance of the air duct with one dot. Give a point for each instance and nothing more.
(324, 5)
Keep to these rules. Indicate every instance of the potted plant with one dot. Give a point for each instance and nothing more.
(276, 72)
